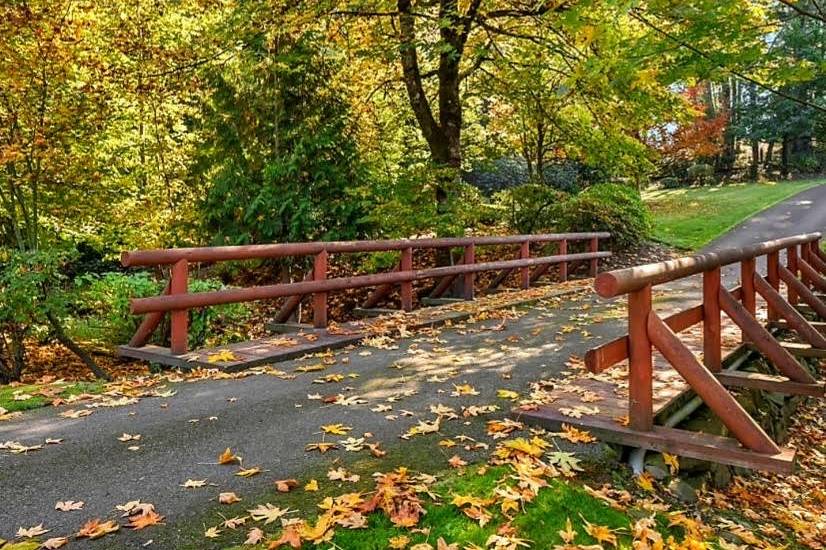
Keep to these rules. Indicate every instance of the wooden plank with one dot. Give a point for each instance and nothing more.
(768, 382)
(702, 446)
(803, 350)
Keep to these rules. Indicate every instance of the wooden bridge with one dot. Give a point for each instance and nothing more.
(177, 301)
(629, 406)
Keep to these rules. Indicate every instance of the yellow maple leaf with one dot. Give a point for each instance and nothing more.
(222, 356)
(336, 429)
(507, 394)
(311, 485)
(672, 462)
(601, 533)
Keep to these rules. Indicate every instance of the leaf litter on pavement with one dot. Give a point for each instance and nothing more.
(525, 465)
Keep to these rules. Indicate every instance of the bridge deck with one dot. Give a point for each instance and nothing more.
(306, 339)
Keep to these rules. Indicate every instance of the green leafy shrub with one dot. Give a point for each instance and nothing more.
(700, 173)
(408, 206)
(806, 164)
(32, 291)
(531, 207)
(102, 310)
(610, 207)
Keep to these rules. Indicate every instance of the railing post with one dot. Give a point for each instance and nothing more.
(748, 294)
(525, 272)
(407, 286)
(640, 362)
(712, 339)
(320, 298)
(179, 319)
(563, 266)
(594, 247)
(791, 265)
(468, 279)
(773, 278)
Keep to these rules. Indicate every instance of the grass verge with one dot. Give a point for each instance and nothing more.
(690, 218)
(32, 396)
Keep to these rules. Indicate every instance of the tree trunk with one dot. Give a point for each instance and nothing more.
(12, 356)
(767, 162)
(755, 159)
(784, 157)
(84, 356)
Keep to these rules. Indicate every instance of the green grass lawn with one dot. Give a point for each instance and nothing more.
(690, 218)
(66, 389)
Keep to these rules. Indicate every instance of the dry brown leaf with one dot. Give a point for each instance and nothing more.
(30, 532)
(228, 457)
(255, 536)
(285, 485)
(228, 498)
(95, 528)
(68, 505)
(54, 543)
(148, 519)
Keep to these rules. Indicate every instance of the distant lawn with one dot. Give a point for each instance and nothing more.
(690, 218)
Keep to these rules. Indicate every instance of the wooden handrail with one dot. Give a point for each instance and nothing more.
(623, 281)
(137, 258)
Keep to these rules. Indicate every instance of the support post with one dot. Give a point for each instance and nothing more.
(563, 266)
(791, 265)
(594, 262)
(748, 294)
(320, 298)
(179, 318)
(773, 278)
(640, 361)
(407, 286)
(712, 332)
(525, 272)
(468, 278)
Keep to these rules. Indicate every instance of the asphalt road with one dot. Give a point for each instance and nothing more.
(269, 420)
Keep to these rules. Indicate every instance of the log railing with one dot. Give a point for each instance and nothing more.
(802, 276)
(177, 301)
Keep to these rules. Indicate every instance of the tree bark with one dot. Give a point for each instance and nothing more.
(84, 356)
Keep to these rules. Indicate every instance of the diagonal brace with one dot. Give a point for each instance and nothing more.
(810, 274)
(803, 291)
(794, 319)
(763, 340)
(706, 385)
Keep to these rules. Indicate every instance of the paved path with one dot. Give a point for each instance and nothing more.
(803, 213)
(268, 420)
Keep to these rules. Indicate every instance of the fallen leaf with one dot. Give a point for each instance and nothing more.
(285, 485)
(255, 536)
(248, 472)
(68, 505)
(94, 529)
(267, 513)
(30, 532)
(193, 483)
(311, 486)
(228, 457)
(142, 521)
(212, 533)
(336, 429)
(228, 498)
(54, 543)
